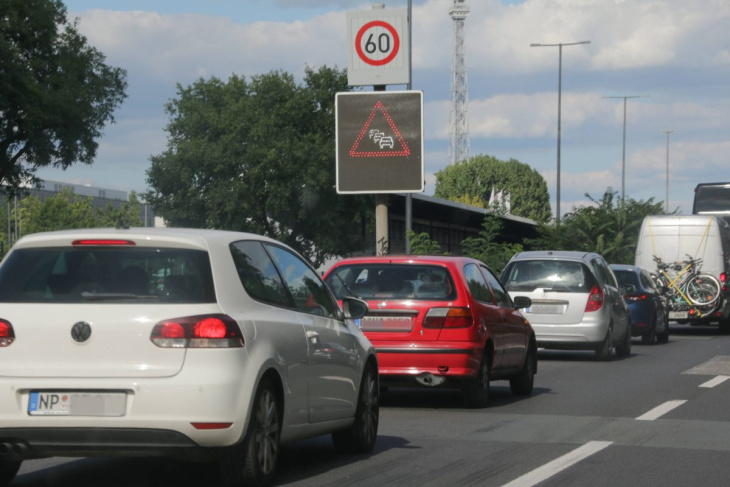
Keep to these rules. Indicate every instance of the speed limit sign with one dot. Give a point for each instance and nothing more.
(378, 47)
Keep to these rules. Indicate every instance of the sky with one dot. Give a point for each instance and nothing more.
(672, 55)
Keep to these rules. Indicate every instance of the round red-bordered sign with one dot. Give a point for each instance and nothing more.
(363, 55)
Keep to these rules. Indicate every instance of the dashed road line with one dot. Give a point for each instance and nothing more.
(661, 410)
(559, 464)
(716, 381)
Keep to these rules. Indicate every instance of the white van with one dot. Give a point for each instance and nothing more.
(673, 238)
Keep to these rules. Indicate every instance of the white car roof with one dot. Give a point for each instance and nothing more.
(185, 237)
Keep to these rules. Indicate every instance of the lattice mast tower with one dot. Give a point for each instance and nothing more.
(459, 120)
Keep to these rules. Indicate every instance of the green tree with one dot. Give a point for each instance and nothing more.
(487, 247)
(130, 213)
(609, 226)
(422, 244)
(60, 212)
(56, 92)
(477, 177)
(258, 156)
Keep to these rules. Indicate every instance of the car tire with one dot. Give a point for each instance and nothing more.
(623, 349)
(522, 385)
(252, 462)
(361, 436)
(604, 351)
(650, 337)
(476, 391)
(8, 470)
(724, 326)
(663, 337)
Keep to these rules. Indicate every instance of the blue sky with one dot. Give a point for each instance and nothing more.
(675, 51)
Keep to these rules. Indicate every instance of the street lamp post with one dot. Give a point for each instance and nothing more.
(666, 199)
(623, 156)
(560, 83)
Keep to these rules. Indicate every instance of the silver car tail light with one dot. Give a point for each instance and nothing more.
(595, 299)
(202, 331)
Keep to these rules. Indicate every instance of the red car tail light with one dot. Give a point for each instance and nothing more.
(448, 318)
(635, 297)
(7, 335)
(595, 299)
(204, 331)
(723, 281)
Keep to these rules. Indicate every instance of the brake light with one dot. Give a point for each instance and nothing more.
(723, 279)
(204, 331)
(635, 297)
(7, 335)
(102, 241)
(448, 318)
(595, 299)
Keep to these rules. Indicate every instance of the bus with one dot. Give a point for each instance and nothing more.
(712, 199)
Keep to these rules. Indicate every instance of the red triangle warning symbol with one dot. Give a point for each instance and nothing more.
(379, 137)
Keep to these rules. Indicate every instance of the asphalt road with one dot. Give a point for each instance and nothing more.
(658, 417)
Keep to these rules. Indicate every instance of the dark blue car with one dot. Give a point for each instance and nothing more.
(649, 318)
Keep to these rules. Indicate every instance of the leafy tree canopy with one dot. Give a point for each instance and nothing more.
(610, 227)
(258, 155)
(68, 210)
(56, 93)
(486, 246)
(477, 177)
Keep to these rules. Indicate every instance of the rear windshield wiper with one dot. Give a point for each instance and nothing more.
(102, 296)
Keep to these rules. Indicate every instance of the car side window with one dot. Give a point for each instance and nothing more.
(500, 294)
(604, 273)
(311, 295)
(647, 281)
(477, 284)
(258, 274)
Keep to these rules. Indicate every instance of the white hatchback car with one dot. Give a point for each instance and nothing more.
(191, 343)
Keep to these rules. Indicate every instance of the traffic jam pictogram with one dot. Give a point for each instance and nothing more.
(379, 140)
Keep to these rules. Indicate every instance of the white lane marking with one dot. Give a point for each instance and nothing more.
(661, 410)
(716, 381)
(559, 464)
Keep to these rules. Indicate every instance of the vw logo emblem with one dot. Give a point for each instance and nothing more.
(81, 331)
(382, 304)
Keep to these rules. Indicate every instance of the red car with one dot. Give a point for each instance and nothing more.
(440, 320)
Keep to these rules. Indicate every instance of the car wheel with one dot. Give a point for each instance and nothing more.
(663, 337)
(725, 326)
(253, 461)
(476, 391)
(623, 349)
(8, 469)
(522, 384)
(604, 350)
(360, 437)
(649, 338)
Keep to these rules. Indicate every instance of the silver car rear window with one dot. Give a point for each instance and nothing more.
(550, 275)
(106, 275)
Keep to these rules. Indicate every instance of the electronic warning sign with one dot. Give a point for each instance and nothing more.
(379, 142)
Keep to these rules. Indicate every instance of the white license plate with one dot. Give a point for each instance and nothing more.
(386, 323)
(546, 309)
(678, 315)
(77, 404)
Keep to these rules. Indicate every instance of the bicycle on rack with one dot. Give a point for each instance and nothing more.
(688, 286)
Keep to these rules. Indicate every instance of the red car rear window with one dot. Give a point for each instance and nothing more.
(392, 281)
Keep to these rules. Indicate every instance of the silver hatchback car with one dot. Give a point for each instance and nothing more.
(576, 301)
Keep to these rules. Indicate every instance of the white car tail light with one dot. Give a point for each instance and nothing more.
(7, 335)
(203, 331)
